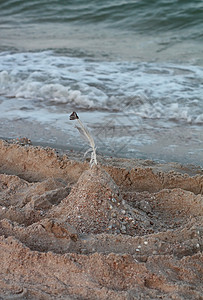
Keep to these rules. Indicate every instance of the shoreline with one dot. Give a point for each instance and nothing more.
(175, 146)
(123, 229)
(104, 161)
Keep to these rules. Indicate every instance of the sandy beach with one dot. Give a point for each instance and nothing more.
(125, 229)
(125, 221)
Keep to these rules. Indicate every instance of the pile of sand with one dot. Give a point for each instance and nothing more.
(122, 230)
(95, 205)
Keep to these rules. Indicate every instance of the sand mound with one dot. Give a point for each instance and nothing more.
(95, 205)
(124, 230)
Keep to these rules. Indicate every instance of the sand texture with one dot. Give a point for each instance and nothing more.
(123, 230)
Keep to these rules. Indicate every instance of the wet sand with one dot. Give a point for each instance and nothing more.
(125, 229)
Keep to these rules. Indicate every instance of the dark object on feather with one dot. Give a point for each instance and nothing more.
(74, 116)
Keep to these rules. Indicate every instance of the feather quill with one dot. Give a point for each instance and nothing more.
(86, 134)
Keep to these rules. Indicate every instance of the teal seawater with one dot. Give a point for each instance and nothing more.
(138, 16)
(161, 30)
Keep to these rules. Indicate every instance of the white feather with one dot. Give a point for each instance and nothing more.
(86, 134)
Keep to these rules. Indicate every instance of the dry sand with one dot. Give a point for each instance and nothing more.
(127, 229)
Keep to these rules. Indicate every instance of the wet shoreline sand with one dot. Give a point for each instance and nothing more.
(183, 146)
(127, 229)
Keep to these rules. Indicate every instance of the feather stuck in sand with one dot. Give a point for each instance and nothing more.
(86, 134)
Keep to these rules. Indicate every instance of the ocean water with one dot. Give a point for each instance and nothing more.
(133, 71)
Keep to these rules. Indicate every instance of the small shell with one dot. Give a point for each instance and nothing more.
(114, 215)
(123, 227)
